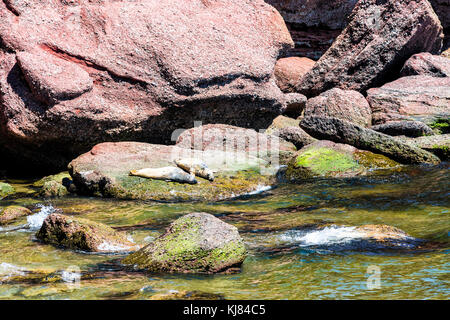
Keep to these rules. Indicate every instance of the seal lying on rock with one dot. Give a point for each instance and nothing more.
(165, 173)
(196, 167)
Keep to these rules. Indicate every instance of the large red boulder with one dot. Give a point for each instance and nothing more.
(76, 73)
(423, 98)
(379, 38)
(288, 71)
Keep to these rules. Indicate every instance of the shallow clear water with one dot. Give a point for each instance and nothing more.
(287, 258)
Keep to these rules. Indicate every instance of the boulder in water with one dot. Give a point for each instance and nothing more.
(194, 243)
(11, 213)
(5, 190)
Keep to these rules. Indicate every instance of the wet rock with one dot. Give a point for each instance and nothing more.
(194, 243)
(52, 189)
(230, 138)
(128, 71)
(10, 214)
(187, 295)
(5, 190)
(379, 38)
(387, 236)
(329, 159)
(104, 171)
(441, 125)
(422, 98)
(81, 234)
(288, 71)
(340, 131)
(347, 105)
(404, 128)
(437, 144)
(426, 64)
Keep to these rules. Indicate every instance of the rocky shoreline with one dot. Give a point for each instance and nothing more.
(216, 85)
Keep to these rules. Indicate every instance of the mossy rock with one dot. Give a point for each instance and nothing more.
(11, 213)
(328, 159)
(52, 189)
(194, 243)
(437, 144)
(441, 126)
(60, 177)
(105, 172)
(81, 234)
(5, 190)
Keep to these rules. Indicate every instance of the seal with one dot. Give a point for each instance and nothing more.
(166, 173)
(195, 166)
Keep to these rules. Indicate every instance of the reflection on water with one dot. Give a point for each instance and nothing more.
(293, 232)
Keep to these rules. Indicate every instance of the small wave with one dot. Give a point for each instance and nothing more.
(327, 236)
(36, 220)
(112, 247)
(8, 270)
(259, 189)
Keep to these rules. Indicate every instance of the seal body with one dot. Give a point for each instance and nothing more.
(166, 173)
(195, 166)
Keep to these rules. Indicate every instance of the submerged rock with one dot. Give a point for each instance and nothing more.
(366, 139)
(422, 98)
(329, 159)
(187, 295)
(379, 38)
(347, 105)
(404, 128)
(437, 144)
(9, 214)
(194, 243)
(81, 234)
(5, 190)
(426, 64)
(104, 171)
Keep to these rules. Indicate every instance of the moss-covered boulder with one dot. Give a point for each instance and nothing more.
(52, 189)
(58, 185)
(11, 213)
(329, 159)
(194, 243)
(81, 234)
(104, 171)
(5, 190)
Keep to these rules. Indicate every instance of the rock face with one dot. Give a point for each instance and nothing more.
(73, 74)
(426, 64)
(341, 131)
(422, 98)
(288, 71)
(9, 214)
(404, 128)
(328, 159)
(229, 138)
(81, 234)
(437, 144)
(104, 171)
(316, 13)
(347, 105)
(380, 37)
(194, 243)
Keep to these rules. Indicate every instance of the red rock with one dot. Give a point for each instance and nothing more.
(422, 98)
(380, 37)
(155, 66)
(315, 13)
(288, 71)
(347, 105)
(426, 64)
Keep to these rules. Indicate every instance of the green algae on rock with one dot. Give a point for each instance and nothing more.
(81, 234)
(53, 189)
(104, 171)
(194, 243)
(329, 159)
(5, 190)
(437, 144)
(11, 213)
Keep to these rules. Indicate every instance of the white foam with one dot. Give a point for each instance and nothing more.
(36, 220)
(70, 276)
(326, 236)
(8, 270)
(259, 189)
(112, 247)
